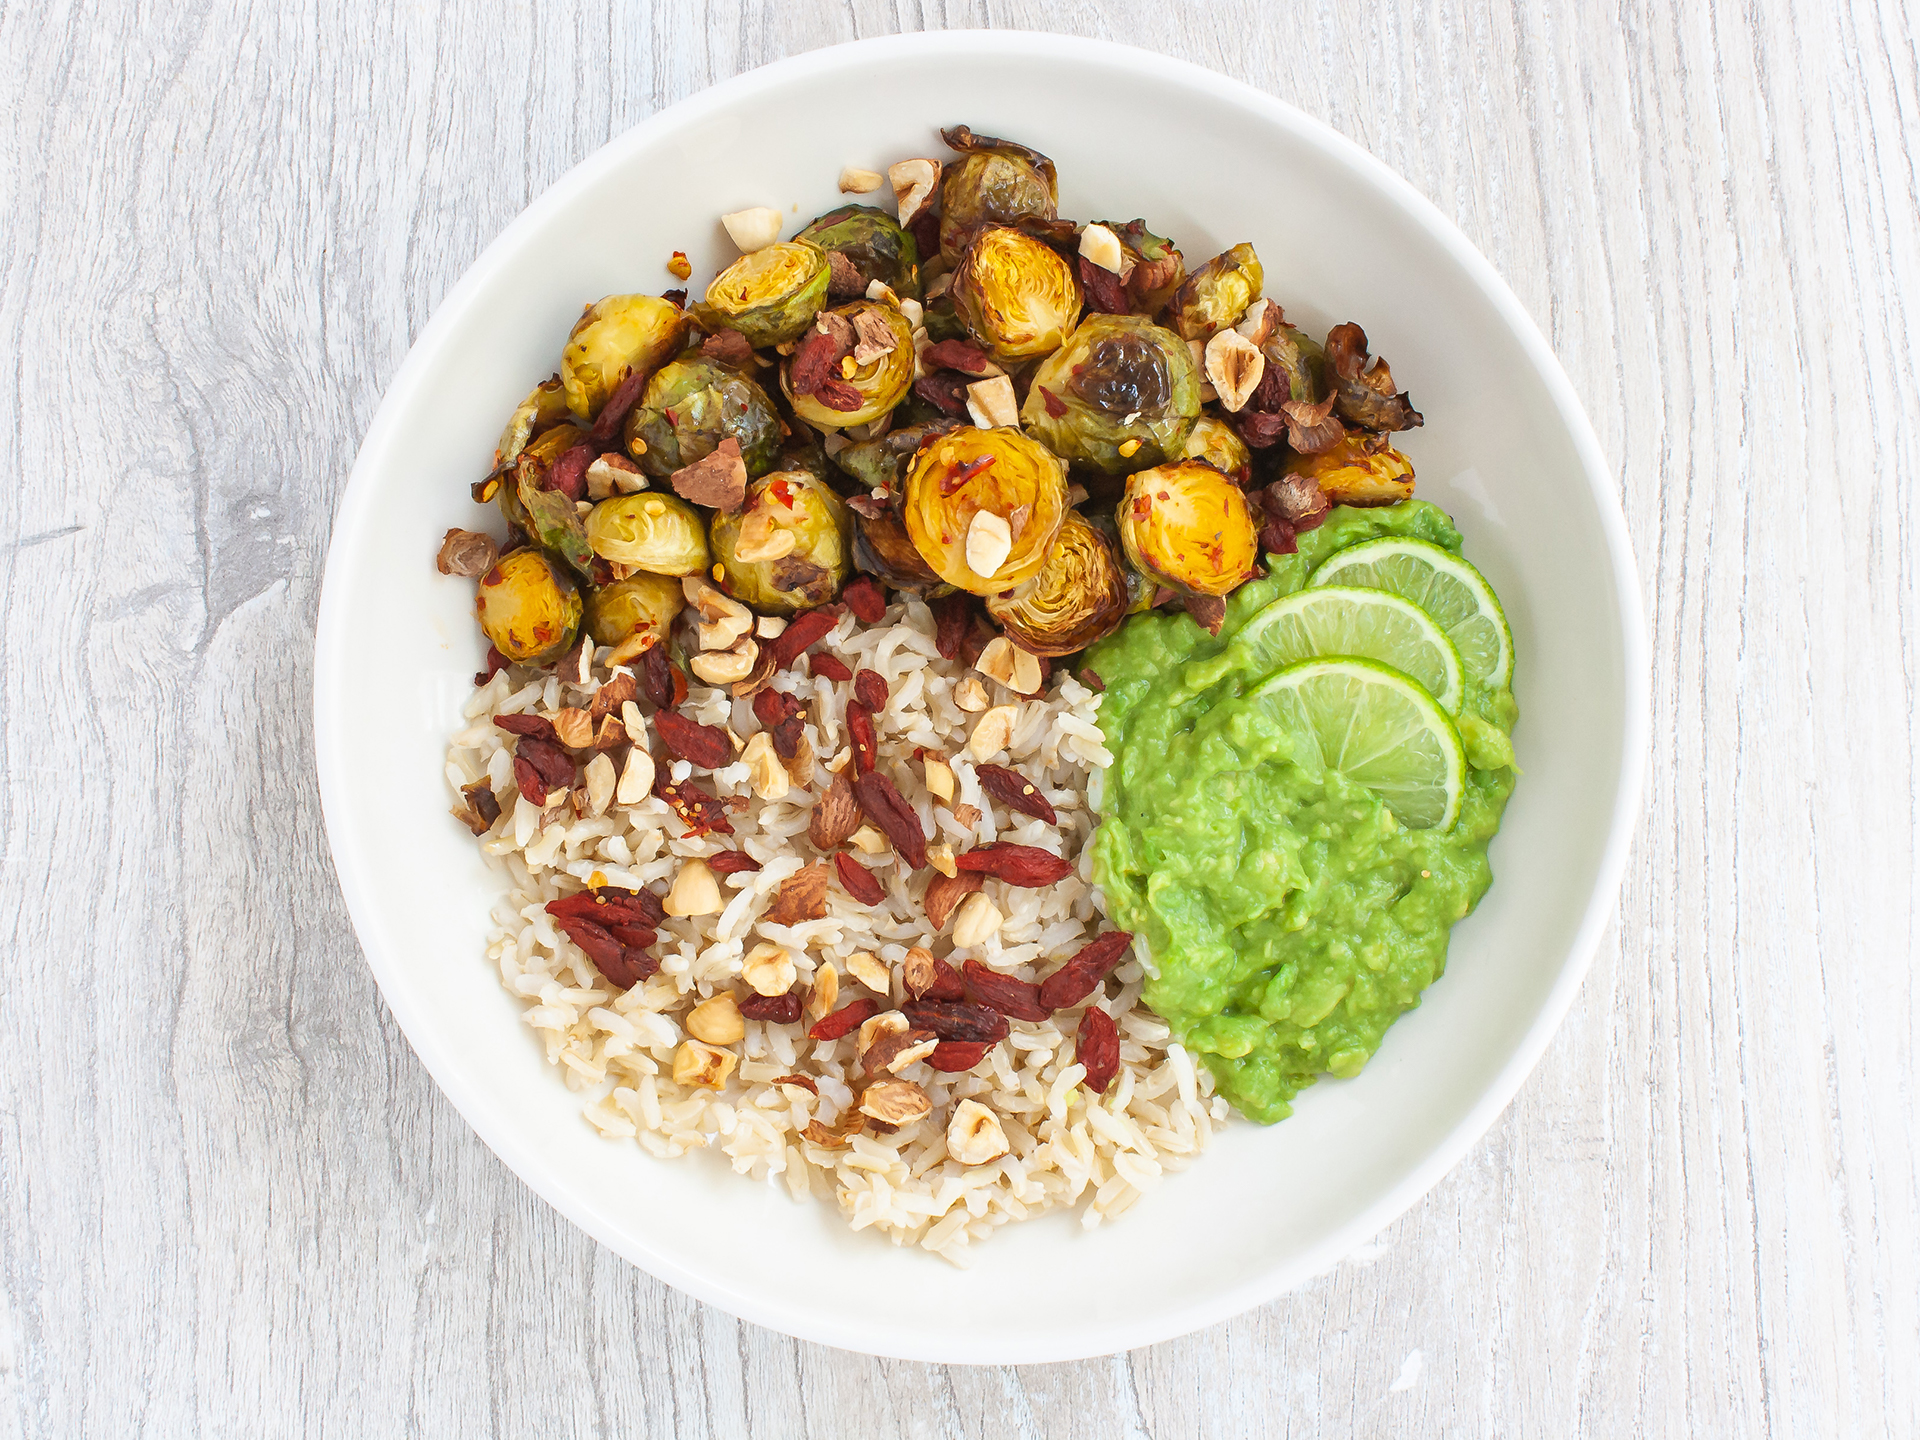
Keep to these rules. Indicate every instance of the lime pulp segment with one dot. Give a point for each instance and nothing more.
(1440, 583)
(1372, 624)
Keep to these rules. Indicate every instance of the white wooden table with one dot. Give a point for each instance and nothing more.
(231, 1201)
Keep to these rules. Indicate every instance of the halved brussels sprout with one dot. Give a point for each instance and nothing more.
(1120, 395)
(882, 547)
(882, 382)
(1016, 295)
(1360, 469)
(879, 464)
(1158, 267)
(547, 516)
(1217, 294)
(690, 406)
(1215, 442)
(1079, 596)
(661, 534)
(528, 606)
(616, 612)
(1301, 359)
(878, 246)
(996, 184)
(1140, 589)
(617, 334)
(1188, 526)
(769, 296)
(787, 548)
(1018, 484)
(544, 408)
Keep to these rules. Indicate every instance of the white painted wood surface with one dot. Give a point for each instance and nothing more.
(231, 1201)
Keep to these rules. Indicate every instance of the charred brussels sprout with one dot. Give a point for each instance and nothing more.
(617, 334)
(690, 406)
(876, 244)
(786, 549)
(882, 547)
(1079, 596)
(1358, 470)
(879, 464)
(769, 296)
(1120, 395)
(543, 409)
(1188, 527)
(881, 380)
(660, 534)
(529, 607)
(1158, 267)
(1015, 294)
(998, 183)
(983, 506)
(618, 612)
(1215, 442)
(1298, 356)
(1217, 294)
(1363, 392)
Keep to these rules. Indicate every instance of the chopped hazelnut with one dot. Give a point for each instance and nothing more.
(698, 1063)
(859, 182)
(753, 229)
(978, 920)
(694, 891)
(717, 1021)
(974, 1136)
(769, 969)
(871, 971)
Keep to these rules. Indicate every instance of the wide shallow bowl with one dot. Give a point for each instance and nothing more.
(1505, 449)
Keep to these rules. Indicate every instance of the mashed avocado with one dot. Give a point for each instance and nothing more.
(1291, 917)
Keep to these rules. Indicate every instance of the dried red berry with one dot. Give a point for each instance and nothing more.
(1091, 964)
(771, 706)
(866, 599)
(952, 614)
(897, 820)
(1026, 865)
(607, 423)
(1016, 792)
(608, 906)
(828, 666)
(802, 631)
(957, 1020)
(786, 737)
(774, 1009)
(857, 880)
(1098, 1047)
(527, 724)
(1013, 997)
(701, 813)
(866, 749)
(704, 746)
(870, 689)
(958, 1056)
(731, 862)
(656, 676)
(845, 1020)
(496, 662)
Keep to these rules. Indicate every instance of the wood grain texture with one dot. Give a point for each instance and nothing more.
(231, 1201)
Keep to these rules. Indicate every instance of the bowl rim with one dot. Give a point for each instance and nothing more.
(1096, 1336)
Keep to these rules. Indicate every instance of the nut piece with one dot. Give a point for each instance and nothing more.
(574, 726)
(769, 627)
(939, 779)
(726, 619)
(877, 1029)
(887, 1043)
(991, 404)
(970, 695)
(979, 919)
(989, 542)
(1198, 348)
(895, 1102)
(612, 475)
(974, 1136)
(991, 732)
(859, 182)
(635, 723)
(760, 539)
(871, 971)
(753, 229)
(1260, 321)
(824, 994)
(1102, 247)
(913, 185)
(868, 841)
(717, 1021)
(698, 1063)
(600, 784)
(636, 781)
(765, 773)
(725, 667)
(769, 970)
(694, 892)
(1234, 365)
(940, 857)
(1014, 667)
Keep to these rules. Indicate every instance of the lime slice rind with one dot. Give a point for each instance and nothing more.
(1447, 587)
(1365, 622)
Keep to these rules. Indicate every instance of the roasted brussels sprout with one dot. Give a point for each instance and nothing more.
(616, 612)
(1360, 469)
(1122, 394)
(617, 334)
(690, 406)
(548, 516)
(1214, 441)
(881, 380)
(787, 549)
(541, 410)
(874, 242)
(1298, 356)
(1158, 268)
(997, 183)
(1015, 294)
(983, 506)
(769, 296)
(1363, 391)
(882, 547)
(879, 464)
(1217, 294)
(1188, 527)
(660, 534)
(529, 607)
(1079, 596)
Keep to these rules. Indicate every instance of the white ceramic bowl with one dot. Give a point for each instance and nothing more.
(1505, 449)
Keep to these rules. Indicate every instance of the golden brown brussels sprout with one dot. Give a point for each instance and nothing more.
(548, 516)
(879, 464)
(1158, 268)
(1215, 442)
(878, 379)
(983, 506)
(660, 534)
(1300, 359)
(787, 548)
(529, 607)
(1217, 294)
(1188, 526)
(882, 547)
(874, 242)
(541, 410)
(769, 296)
(1016, 295)
(998, 183)
(1358, 470)
(1079, 596)
(690, 406)
(616, 612)
(617, 334)
(1120, 395)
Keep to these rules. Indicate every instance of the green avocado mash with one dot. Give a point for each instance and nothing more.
(1291, 917)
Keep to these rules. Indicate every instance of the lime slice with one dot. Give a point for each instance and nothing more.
(1379, 729)
(1348, 620)
(1440, 583)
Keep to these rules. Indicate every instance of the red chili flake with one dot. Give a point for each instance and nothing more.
(870, 688)
(679, 678)
(731, 862)
(701, 813)
(1090, 678)
(957, 478)
(955, 1057)
(774, 1009)
(1098, 1045)
(1082, 974)
(866, 599)
(805, 629)
(866, 749)
(1013, 997)
(857, 880)
(844, 1020)
(1056, 407)
(829, 666)
(496, 662)
(951, 616)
